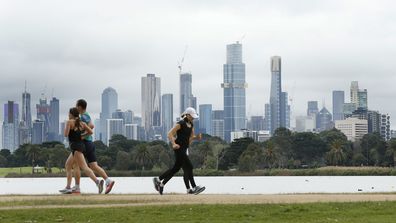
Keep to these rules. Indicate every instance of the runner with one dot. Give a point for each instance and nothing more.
(184, 132)
(89, 155)
(74, 130)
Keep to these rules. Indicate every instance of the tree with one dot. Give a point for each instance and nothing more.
(123, 160)
(230, 155)
(337, 155)
(308, 148)
(142, 156)
(270, 154)
(32, 154)
(374, 149)
(3, 161)
(392, 147)
(282, 140)
(250, 158)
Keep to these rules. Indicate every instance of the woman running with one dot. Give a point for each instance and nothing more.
(184, 132)
(74, 130)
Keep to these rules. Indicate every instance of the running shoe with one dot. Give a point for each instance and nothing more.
(109, 186)
(66, 191)
(75, 190)
(100, 186)
(190, 191)
(161, 189)
(198, 190)
(156, 183)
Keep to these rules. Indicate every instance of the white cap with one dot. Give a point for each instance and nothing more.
(191, 111)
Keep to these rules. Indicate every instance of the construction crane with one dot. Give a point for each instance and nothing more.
(180, 64)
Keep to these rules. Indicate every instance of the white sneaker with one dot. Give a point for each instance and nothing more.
(75, 190)
(66, 191)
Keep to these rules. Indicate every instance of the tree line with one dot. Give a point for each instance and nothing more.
(285, 149)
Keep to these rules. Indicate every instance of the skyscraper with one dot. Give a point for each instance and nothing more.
(267, 119)
(324, 120)
(151, 104)
(234, 91)
(338, 105)
(43, 114)
(38, 132)
(114, 127)
(354, 93)
(128, 117)
(256, 123)
(362, 99)
(53, 131)
(186, 97)
(205, 118)
(385, 130)
(313, 108)
(218, 123)
(167, 114)
(109, 105)
(279, 107)
(26, 109)
(11, 126)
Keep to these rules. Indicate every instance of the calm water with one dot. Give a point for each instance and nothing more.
(214, 185)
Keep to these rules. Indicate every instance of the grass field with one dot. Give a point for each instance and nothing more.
(21, 170)
(206, 208)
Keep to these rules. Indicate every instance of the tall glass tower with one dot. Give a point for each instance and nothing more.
(186, 97)
(151, 104)
(205, 118)
(234, 86)
(53, 132)
(109, 105)
(167, 114)
(276, 93)
(10, 126)
(338, 105)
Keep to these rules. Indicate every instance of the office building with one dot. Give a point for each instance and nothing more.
(353, 128)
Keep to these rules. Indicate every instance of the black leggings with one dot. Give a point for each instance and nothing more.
(182, 161)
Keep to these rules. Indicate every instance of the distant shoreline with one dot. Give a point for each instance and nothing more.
(322, 171)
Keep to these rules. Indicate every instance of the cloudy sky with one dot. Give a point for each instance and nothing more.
(75, 49)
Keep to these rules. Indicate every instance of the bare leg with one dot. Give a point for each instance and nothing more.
(69, 170)
(77, 173)
(79, 158)
(98, 170)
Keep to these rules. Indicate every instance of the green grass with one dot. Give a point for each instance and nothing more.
(21, 170)
(294, 213)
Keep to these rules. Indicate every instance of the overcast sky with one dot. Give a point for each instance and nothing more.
(75, 49)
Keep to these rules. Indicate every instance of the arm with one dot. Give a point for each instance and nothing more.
(91, 125)
(171, 136)
(67, 129)
(193, 136)
(87, 129)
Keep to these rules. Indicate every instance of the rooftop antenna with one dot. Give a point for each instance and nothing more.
(180, 63)
(240, 39)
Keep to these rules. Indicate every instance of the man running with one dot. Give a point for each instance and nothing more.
(89, 155)
(184, 132)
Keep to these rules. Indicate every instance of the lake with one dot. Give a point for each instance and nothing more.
(214, 185)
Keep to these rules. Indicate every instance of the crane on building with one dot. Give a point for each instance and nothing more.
(180, 64)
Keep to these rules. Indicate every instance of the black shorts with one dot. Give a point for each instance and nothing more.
(77, 146)
(89, 153)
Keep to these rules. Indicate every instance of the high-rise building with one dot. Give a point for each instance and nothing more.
(38, 132)
(313, 108)
(354, 90)
(97, 129)
(234, 86)
(374, 121)
(338, 105)
(53, 128)
(362, 99)
(128, 117)
(186, 97)
(353, 128)
(358, 96)
(167, 114)
(151, 104)
(267, 119)
(114, 127)
(43, 114)
(348, 109)
(26, 109)
(324, 120)
(218, 123)
(385, 130)
(131, 131)
(305, 123)
(205, 118)
(279, 107)
(10, 128)
(109, 105)
(256, 123)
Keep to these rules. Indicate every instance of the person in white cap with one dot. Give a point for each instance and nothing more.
(184, 132)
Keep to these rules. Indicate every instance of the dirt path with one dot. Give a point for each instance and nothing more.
(99, 201)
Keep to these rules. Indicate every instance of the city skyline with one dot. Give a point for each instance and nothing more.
(324, 46)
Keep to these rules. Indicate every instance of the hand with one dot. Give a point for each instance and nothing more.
(199, 137)
(175, 146)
